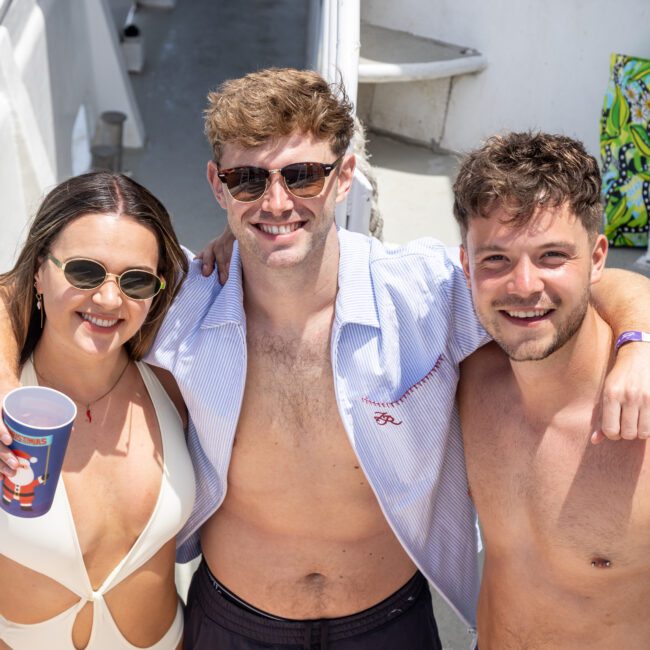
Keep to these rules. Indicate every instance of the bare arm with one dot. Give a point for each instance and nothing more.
(9, 379)
(622, 298)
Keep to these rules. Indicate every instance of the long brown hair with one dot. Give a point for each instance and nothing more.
(93, 193)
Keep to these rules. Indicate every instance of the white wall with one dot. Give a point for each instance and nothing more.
(548, 61)
(55, 56)
(27, 152)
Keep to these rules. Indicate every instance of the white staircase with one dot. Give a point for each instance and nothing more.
(388, 55)
(369, 59)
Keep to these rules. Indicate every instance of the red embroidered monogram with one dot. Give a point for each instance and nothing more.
(383, 419)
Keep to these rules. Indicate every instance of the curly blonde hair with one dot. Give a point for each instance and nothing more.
(277, 102)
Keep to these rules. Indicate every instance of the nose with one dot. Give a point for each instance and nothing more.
(108, 295)
(277, 199)
(525, 279)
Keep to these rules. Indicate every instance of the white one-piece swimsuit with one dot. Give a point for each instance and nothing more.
(49, 544)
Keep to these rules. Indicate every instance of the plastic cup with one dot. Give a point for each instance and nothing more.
(40, 421)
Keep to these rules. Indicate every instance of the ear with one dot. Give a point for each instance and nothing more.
(216, 184)
(598, 258)
(345, 176)
(38, 277)
(464, 262)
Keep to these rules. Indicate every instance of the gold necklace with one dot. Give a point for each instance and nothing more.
(89, 416)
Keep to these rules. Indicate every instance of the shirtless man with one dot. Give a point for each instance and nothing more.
(321, 381)
(566, 523)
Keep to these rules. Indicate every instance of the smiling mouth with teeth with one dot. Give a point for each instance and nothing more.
(527, 314)
(100, 322)
(283, 229)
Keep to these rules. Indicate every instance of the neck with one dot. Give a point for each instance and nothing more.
(288, 297)
(574, 373)
(85, 376)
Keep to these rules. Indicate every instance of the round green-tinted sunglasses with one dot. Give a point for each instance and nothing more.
(85, 274)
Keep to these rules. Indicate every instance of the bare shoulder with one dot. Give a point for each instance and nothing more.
(488, 362)
(171, 388)
(483, 372)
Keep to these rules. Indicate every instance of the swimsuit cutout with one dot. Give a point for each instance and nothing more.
(49, 544)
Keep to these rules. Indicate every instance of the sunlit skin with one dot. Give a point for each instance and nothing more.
(313, 218)
(565, 523)
(300, 533)
(122, 441)
(530, 285)
(89, 237)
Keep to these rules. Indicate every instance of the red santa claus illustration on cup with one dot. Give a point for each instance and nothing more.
(22, 485)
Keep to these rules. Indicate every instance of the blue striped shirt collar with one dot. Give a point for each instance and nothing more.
(355, 301)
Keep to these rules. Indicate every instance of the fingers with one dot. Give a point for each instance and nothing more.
(8, 462)
(611, 416)
(644, 422)
(597, 437)
(625, 415)
(222, 249)
(223, 253)
(207, 258)
(629, 422)
(5, 436)
(217, 253)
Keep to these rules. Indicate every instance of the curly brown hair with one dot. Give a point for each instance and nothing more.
(521, 172)
(92, 193)
(277, 102)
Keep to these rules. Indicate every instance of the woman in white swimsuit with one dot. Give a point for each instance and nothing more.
(100, 267)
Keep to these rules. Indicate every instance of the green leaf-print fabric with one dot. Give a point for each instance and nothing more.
(625, 151)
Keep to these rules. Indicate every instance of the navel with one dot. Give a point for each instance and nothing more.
(600, 563)
(314, 578)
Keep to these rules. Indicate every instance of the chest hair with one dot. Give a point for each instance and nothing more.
(291, 379)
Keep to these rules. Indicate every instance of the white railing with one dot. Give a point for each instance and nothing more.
(340, 43)
(335, 29)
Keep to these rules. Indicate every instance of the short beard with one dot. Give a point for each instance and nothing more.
(564, 333)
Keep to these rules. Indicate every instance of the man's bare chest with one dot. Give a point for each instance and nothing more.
(290, 390)
(550, 486)
(290, 430)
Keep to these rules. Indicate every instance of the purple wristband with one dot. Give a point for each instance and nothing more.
(630, 337)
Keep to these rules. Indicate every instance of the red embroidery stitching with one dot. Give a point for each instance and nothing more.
(412, 389)
(385, 418)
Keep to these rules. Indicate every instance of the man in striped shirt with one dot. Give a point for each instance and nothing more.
(337, 362)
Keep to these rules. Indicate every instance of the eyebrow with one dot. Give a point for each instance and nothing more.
(489, 249)
(495, 248)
